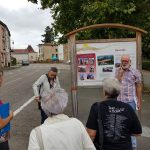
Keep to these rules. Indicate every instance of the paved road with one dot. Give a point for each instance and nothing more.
(18, 90)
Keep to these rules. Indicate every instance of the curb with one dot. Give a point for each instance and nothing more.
(11, 68)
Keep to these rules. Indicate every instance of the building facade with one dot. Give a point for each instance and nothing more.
(47, 52)
(33, 56)
(5, 48)
(20, 54)
(25, 54)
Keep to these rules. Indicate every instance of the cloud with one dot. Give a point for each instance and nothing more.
(26, 24)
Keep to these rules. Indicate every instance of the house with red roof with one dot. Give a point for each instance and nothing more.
(33, 56)
(25, 54)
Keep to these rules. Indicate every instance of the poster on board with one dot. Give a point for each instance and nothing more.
(96, 61)
(86, 67)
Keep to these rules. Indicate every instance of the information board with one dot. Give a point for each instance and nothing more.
(96, 61)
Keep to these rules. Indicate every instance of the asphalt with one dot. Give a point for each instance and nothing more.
(18, 90)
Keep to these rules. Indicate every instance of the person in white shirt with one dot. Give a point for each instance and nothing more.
(59, 132)
(43, 85)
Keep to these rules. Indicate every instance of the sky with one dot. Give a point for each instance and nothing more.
(25, 21)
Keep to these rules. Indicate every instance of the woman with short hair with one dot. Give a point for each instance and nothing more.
(59, 132)
(118, 120)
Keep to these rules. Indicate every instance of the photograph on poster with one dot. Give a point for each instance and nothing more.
(117, 65)
(82, 76)
(91, 69)
(90, 76)
(91, 61)
(107, 69)
(81, 68)
(86, 61)
(80, 61)
(105, 60)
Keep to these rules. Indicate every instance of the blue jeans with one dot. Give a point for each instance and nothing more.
(133, 138)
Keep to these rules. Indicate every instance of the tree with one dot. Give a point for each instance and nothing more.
(49, 35)
(72, 14)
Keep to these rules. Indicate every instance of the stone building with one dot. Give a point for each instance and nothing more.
(5, 49)
(48, 52)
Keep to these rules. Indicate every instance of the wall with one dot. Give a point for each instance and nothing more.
(60, 52)
(46, 51)
(33, 57)
(4, 45)
(20, 57)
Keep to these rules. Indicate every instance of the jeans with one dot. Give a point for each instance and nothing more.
(133, 138)
(43, 115)
(4, 146)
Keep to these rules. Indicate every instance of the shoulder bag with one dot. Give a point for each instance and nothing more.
(99, 145)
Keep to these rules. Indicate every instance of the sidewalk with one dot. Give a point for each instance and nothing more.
(12, 67)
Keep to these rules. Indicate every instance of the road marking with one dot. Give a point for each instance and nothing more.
(23, 106)
(145, 131)
(12, 81)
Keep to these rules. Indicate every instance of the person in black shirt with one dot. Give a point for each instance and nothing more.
(119, 120)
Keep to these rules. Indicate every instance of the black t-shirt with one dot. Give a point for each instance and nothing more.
(119, 122)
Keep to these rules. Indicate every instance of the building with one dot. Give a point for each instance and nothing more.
(5, 49)
(20, 54)
(33, 56)
(48, 52)
(60, 52)
(25, 54)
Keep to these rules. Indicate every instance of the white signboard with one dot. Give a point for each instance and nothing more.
(96, 61)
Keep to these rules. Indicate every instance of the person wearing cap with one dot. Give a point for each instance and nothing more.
(131, 87)
(59, 132)
(43, 85)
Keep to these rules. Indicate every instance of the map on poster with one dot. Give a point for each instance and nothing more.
(96, 61)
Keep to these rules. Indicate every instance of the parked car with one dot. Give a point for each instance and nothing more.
(25, 62)
(68, 62)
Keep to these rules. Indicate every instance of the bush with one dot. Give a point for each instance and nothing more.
(146, 65)
(13, 61)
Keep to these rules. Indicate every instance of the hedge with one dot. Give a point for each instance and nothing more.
(146, 65)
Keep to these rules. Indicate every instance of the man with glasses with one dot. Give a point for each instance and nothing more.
(43, 85)
(131, 89)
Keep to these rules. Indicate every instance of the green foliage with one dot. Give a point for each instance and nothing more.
(49, 35)
(13, 61)
(69, 15)
(146, 64)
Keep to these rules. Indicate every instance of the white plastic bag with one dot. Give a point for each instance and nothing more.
(55, 101)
